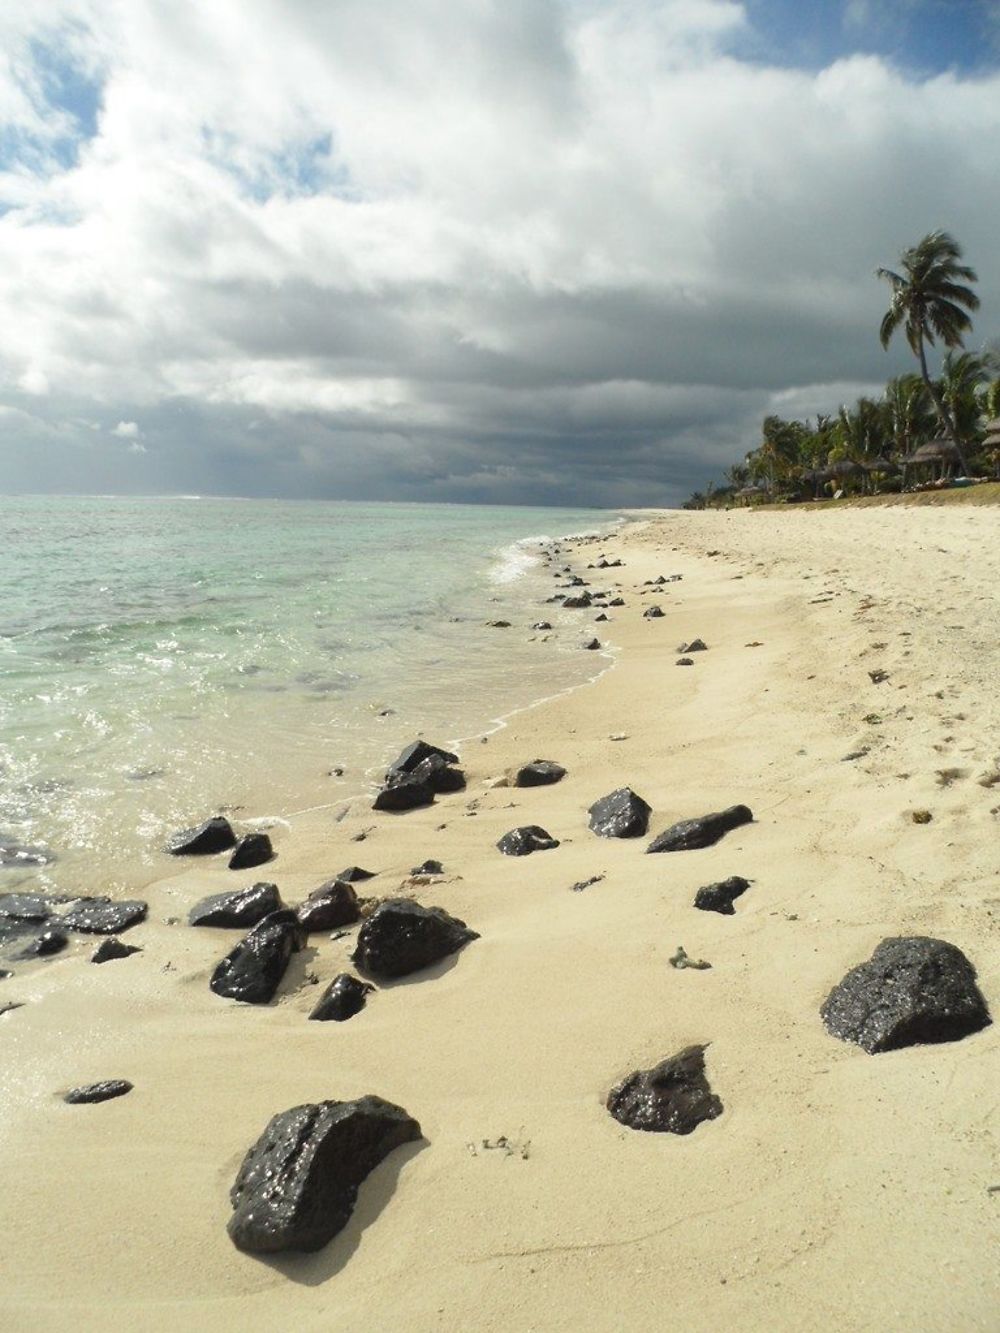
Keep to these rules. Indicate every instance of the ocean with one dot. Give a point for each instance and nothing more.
(162, 659)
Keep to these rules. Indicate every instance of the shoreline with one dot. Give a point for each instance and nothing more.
(835, 1189)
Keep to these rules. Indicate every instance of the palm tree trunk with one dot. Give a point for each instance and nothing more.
(942, 411)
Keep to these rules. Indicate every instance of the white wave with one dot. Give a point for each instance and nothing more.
(515, 560)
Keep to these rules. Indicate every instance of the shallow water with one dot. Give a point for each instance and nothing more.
(164, 658)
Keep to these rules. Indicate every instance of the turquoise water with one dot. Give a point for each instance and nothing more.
(164, 658)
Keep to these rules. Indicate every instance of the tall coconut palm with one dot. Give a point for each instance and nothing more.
(927, 301)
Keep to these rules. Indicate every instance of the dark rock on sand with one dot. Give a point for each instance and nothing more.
(438, 774)
(913, 989)
(415, 753)
(253, 970)
(674, 1097)
(331, 905)
(98, 1092)
(407, 793)
(298, 1184)
(576, 603)
(617, 601)
(408, 789)
(684, 661)
(523, 841)
(593, 644)
(237, 910)
(720, 897)
(45, 945)
(402, 936)
(695, 646)
(101, 916)
(539, 773)
(343, 998)
(599, 619)
(354, 873)
(498, 624)
(253, 849)
(428, 868)
(215, 835)
(27, 906)
(623, 814)
(110, 949)
(702, 832)
(653, 613)
(541, 624)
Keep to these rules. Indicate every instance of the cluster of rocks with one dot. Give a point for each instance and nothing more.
(40, 925)
(217, 835)
(420, 773)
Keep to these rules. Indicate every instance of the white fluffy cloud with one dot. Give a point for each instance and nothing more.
(504, 249)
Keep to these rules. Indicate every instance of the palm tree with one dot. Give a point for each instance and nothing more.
(961, 377)
(927, 300)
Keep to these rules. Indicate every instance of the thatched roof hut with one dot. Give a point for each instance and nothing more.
(992, 429)
(879, 464)
(934, 451)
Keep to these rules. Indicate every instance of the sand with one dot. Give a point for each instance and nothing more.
(837, 1189)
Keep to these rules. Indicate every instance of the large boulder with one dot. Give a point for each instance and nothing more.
(237, 910)
(331, 905)
(215, 835)
(539, 773)
(343, 998)
(704, 831)
(402, 936)
(253, 849)
(525, 840)
(101, 916)
(622, 814)
(298, 1184)
(253, 970)
(913, 989)
(720, 897)
(673, 1097)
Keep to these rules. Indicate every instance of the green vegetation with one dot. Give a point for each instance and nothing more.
(916, 432)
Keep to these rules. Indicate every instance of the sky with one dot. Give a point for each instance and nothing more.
(506, 251)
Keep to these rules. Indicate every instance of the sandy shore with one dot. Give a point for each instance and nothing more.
(837, 1189)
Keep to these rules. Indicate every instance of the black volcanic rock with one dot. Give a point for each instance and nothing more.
(913, 990)
(45, 945)
(402, 936)
(343, 998)
(674, 1097)
(439, 775)
(89, 1093)
(704, 831)
(331, 905)
(617, 601)
(28, 906)
(408, 792)
(110, 949)
(653, 613)
(297, 1186)
(415, 753)
(576, 603)
(253, 849)
(593, 645)
(253, 970)
(684, 661)
(237, 910)
(622, 814)
(354, 873)
(428, 867)
(101, 916)
(215, 835)
(719, 897)
(525, 840)
(541, 624)
(695, 646)
(539, 773)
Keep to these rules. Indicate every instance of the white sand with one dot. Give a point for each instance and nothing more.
(837, 1190)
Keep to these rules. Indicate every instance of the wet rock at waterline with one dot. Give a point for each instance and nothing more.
(237, 910)
(674, 1097)
(704, 831)
(622, 814)
(343, 998)
(402, 936)
(45, 945)
(253, 849)
(720, 897)
(523, 841)
(539, 773)
(298, 1184)
(101, 916)
(913, 990)
(89, 1093)
(215, 835)
(29, 906)
(253, 971)
(111, 949)
(415, 754)
(331, 905)
(17, 855)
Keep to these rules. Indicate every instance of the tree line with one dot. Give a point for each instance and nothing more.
(919, 426)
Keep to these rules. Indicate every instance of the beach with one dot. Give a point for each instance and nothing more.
(836, 1188)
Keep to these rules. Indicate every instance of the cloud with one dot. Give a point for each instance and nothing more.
(532, 250)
